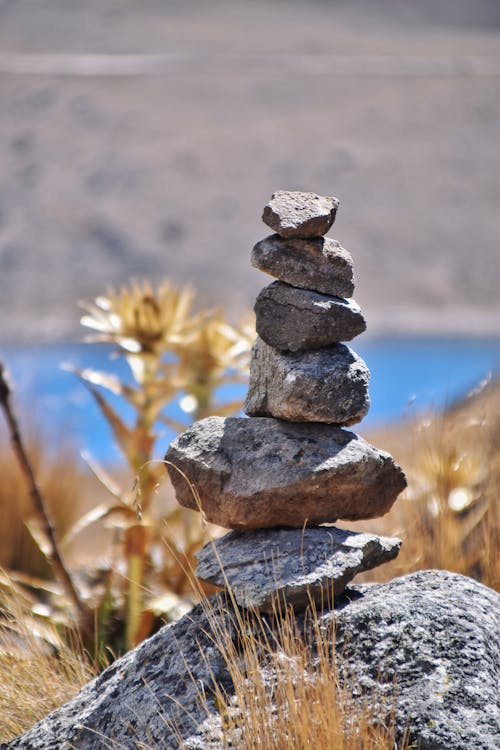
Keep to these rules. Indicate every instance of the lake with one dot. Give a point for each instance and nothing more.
(408, 376)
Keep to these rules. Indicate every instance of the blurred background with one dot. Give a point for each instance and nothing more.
(142, 140)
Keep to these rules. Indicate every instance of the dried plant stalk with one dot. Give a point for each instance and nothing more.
(40, 506)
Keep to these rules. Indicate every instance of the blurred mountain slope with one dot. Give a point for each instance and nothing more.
(144, 139)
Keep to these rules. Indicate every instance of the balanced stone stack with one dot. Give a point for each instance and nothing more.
(279, 476)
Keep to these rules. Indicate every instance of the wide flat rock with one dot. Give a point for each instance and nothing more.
(297, 566)
(327, 385)
(256, 473)
(299, 214)
(320, 264)
(292, 319)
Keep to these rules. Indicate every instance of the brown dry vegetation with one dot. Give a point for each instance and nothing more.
(449, 516)
(39, 669)
(288, 692)
(67, 488)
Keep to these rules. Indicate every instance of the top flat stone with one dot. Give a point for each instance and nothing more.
(301, 215)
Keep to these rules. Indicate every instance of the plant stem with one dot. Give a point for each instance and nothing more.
(136, 537)
(135, 552)
(39, 504)
(204, 397)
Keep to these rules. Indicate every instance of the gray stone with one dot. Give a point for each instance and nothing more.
(149, 698)
(327, 385)
(424, 647)
(297, 565)
(431, 639)
(302, 215)
(294, 319)
(256, 473)
(319, 264)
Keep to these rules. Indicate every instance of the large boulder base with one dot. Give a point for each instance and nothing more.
(292, 319)
(268, 569)
(299, 214)
(425, 647)
(320, 264)
(257, 473)
(327, 385)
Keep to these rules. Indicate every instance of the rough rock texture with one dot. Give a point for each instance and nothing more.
(134, 700)
(430, 640)
(319, 264)
(298, 565)
(302, 215)
(433, 636)
(294, 319)
(256, 473)
(327, 385)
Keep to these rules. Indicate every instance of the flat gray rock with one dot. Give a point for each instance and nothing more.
(424, 649)
(327, 385)
(292, 319)
(298, 214)
(296, 565)
(256, 473)
(319, 264)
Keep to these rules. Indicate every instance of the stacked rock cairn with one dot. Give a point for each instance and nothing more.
(280, 477)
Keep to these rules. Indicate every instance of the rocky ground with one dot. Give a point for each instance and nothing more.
(143, 140)
(432, 634)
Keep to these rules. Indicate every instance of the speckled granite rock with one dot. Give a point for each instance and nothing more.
(298, 565)
(298, 214)
(320, 264)
(256, 473)
(327, 385)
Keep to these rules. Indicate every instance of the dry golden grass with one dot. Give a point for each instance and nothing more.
(296, 699)
(449, 516)
(39, 670)
(288, 693)
(66, 487)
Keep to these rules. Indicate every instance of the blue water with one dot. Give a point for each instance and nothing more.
(408, 376)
